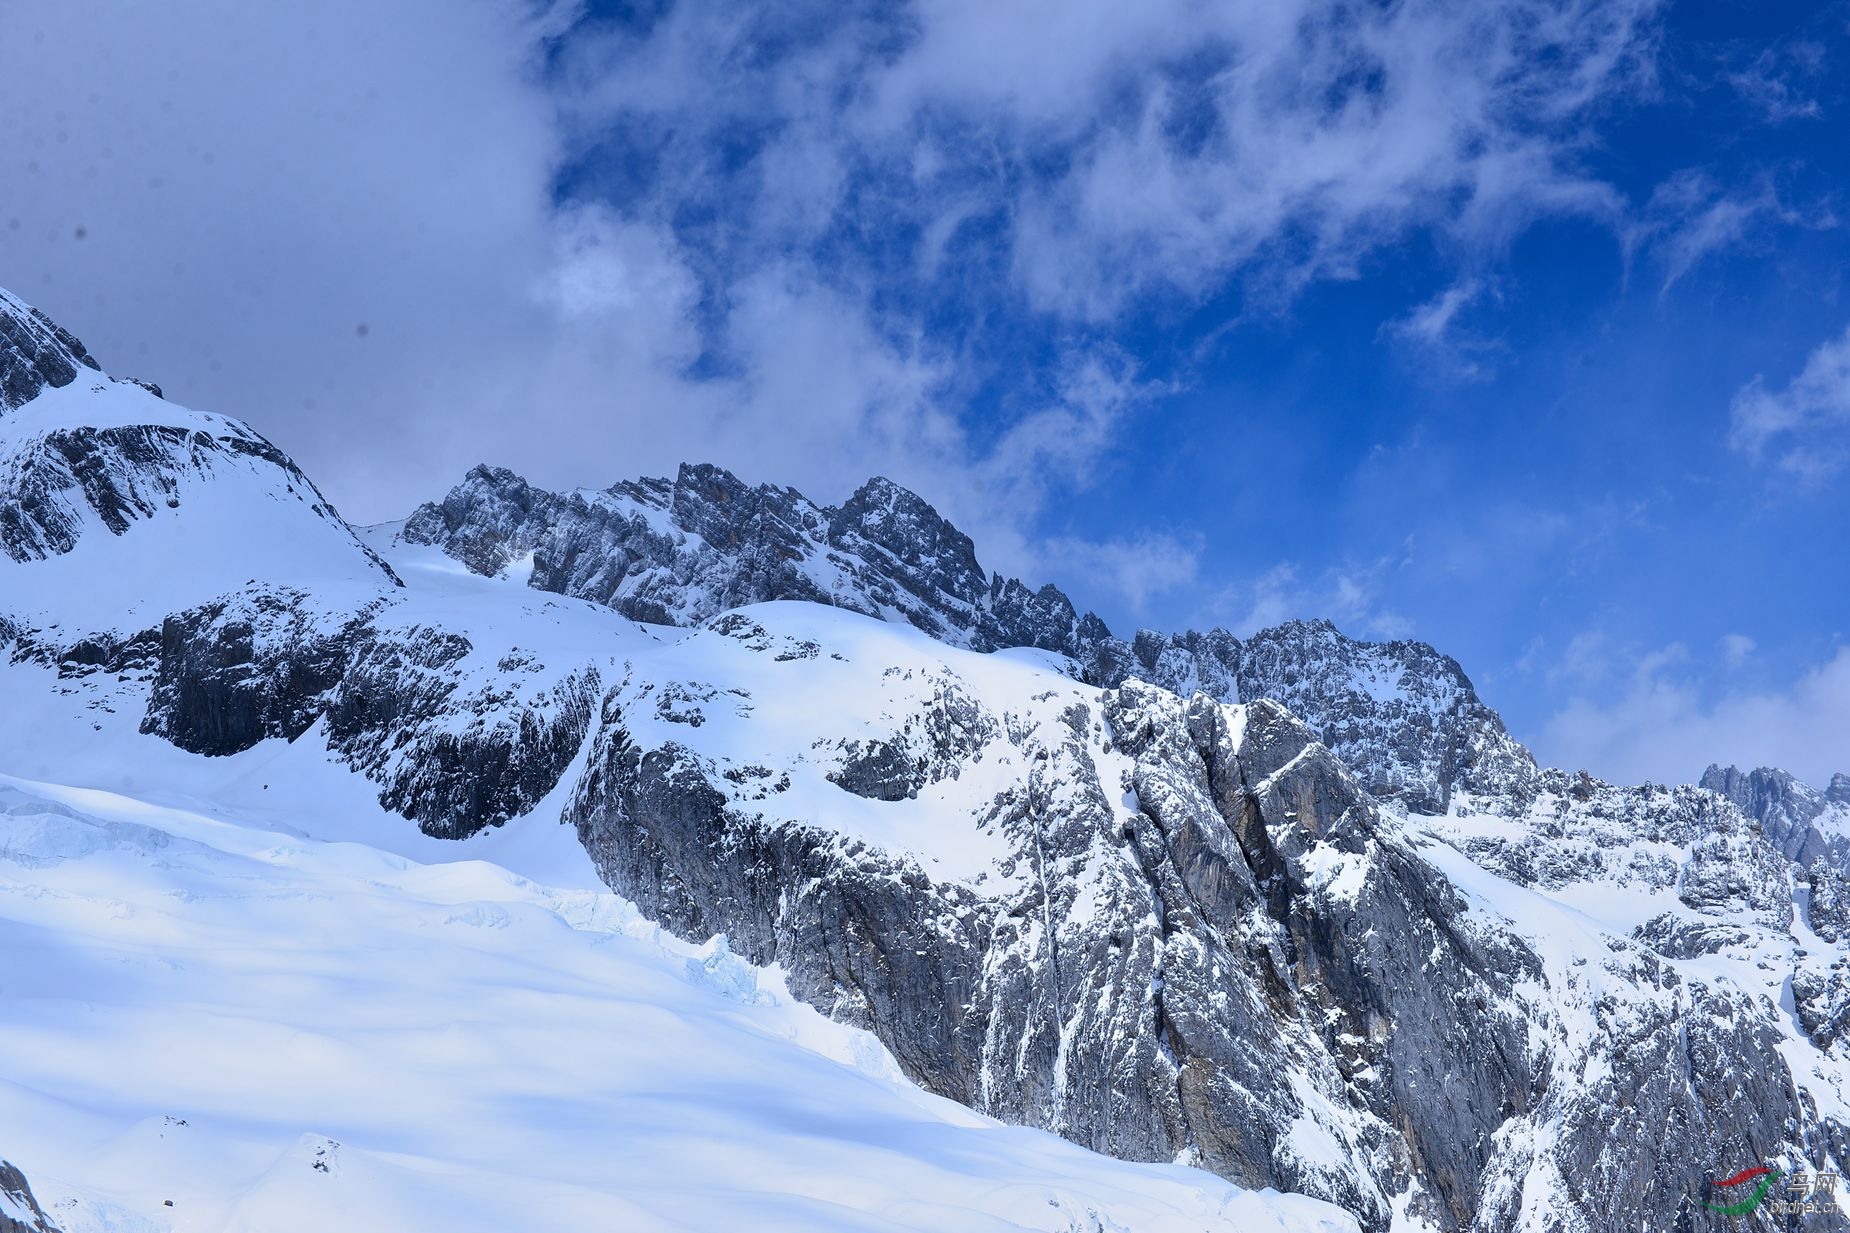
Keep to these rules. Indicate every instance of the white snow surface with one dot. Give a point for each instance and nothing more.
(277, 1032)
(234, 517)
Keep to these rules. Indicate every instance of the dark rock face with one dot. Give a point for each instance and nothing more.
(244, 669)
(458, 739)
(1402, 716)
(35, 352)
(19, 1211)
(119, 474)
(454, 755)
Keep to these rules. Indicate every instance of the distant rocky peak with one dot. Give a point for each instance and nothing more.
(702, 483)
(682, 551)
(730, 514)
(1760, 791)
(905, 524)
(1787, 809)
(1838, 792)
(919, 538)
(35, 352)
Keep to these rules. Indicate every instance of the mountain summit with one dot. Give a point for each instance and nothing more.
(681, 551)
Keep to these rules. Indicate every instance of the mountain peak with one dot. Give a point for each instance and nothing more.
(899, 521)
(1404, 716)
(35, 352)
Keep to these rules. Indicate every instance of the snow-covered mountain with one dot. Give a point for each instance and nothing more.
(1293, 909)
(680, 552)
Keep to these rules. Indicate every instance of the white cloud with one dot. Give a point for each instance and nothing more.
(1431, 332)
(256, 182)
(1736, 649)
(1135, 570)
(1347, 596)
(1691, 218)
(1660, 728)
(1779, 82)
(1804, 429)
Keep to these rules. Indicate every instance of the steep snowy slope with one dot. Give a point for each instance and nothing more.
(35, 353)
(211, 1025)
(117, 507)
(681, 551)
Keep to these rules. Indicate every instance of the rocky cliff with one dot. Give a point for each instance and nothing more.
(1402, 716)
(19, 1210)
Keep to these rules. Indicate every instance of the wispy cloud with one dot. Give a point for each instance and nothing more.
(1431, 332)
(1803, 428)
(1736, 649)
(1136, 570)
(1660, 726)
(1350, 596)
(1781, 82)
(1691, 217)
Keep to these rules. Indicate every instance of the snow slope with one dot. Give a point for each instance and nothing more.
(279, 1034)
(121, 508)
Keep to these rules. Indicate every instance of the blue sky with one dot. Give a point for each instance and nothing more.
(1514, 326)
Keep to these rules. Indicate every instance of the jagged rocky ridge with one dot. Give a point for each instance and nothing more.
(1160, 922)
(1402, 716)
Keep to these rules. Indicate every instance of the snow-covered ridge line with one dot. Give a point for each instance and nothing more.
(35, 352)
(682, 551)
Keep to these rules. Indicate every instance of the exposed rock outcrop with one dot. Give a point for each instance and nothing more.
(35, 352)
(19, 1210)
(1404, 717)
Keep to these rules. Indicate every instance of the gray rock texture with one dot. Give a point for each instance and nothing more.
(1220, 949)
(1806, 825)
(35, 352)
(1403, 717)
(19, 1210)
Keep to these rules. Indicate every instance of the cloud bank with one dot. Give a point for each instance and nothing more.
(1662, 726)
(805, 241)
